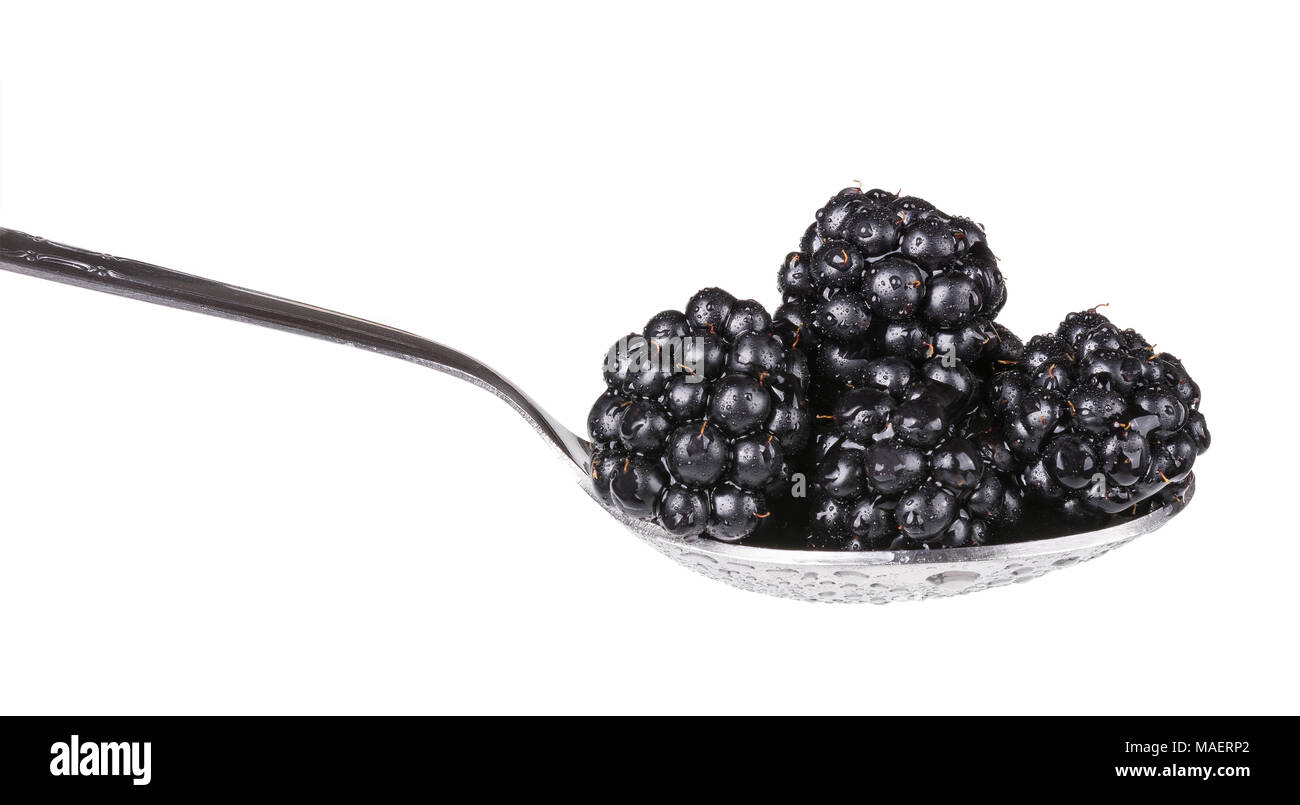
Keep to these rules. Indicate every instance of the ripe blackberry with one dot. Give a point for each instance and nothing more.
(1104, 423)
(898, 273)
(702, 413)
(901, 462)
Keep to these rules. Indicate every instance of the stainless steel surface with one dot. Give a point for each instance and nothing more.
(875, 576)
(880, 577)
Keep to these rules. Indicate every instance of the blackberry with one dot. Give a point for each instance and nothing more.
(895, 272)
(1104, 423)
(903, 462)
(702, 415)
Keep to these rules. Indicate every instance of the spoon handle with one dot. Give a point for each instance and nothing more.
(38, 257)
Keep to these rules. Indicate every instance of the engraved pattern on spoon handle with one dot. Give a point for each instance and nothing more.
(38, 257)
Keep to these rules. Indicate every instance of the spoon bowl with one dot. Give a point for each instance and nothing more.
(881, 577)
(874, 576)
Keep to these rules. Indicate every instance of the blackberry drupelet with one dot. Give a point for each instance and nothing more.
(1104, 422)
(702, 414)
(903, 462)
(893, 275)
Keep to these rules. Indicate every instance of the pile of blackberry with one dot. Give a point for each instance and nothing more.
(702, 413)
(1103, 423)
(883, 407)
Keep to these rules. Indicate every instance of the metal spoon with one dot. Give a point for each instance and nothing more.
(876, 576)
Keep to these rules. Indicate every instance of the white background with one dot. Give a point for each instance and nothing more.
(200, 516)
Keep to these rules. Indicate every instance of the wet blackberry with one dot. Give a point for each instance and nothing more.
(1105, 424)
(702, 414)
(895, 272)
(899, 462)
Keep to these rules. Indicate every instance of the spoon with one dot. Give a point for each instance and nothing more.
(875, 576)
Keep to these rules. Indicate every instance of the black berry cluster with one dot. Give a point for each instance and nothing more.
(892, 275)
(1103, 422)
(702, 413)
(912, 463)
(882, 407)
(894, 302)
